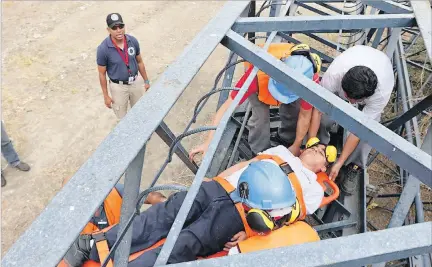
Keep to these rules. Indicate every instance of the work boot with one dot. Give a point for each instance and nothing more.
(3, 180)
(22, 166)
(351, 178)
(79, 252)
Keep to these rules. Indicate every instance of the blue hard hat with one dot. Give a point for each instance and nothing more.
(263, 185)
(299, 64)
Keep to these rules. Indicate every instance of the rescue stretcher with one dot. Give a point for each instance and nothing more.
(299, 232)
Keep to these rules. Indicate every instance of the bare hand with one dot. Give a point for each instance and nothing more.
(108, 101)
(295, 150)
(146, 86)
(240, 236)
(334, 171)
(197, 150)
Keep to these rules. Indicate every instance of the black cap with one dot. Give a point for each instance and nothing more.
(114, 19)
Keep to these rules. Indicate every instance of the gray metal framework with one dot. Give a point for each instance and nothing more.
(80, 197)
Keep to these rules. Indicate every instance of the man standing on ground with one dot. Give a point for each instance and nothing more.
(10, 154)
(362, 76)
(119, 56)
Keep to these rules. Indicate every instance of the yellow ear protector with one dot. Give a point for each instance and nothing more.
(259, 220)
(295, 212)
(330, 151)
(304, 50)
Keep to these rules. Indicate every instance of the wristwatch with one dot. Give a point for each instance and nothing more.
(147, 82)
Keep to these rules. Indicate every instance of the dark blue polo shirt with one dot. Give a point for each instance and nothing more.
(108, 56)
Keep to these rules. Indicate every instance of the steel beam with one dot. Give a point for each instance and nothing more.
(168, 137)
(354, 250)
(325, 57)
(423, 15)
(377, 39)
(411, 113)
(317, 23)
(411, 188)
(131, 191)
(335, 226)
(313, 9)
(409, 193)
(326, 42)
(47, 239)
(388, 6)
(420, 66)
(382, 139)
(193, 190)
(330, 7)
(326, 1)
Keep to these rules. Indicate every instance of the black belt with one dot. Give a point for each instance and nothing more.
(122, 82)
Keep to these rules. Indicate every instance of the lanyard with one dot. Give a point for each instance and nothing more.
(124, 56)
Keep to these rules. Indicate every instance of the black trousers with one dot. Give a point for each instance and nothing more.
(212, 221)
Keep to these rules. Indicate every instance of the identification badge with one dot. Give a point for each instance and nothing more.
(131, 80)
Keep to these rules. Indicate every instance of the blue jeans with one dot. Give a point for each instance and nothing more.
(7, 148)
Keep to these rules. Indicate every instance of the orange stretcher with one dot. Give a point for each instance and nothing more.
(300, 232)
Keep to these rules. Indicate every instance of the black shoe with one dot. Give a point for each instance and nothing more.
(351, 178)
(3, 180)
(79, 252)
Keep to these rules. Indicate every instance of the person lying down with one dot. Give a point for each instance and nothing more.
(251, 198)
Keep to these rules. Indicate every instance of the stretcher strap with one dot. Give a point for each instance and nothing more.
(103, 251)
(299, 195)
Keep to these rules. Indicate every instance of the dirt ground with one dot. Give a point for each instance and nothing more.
(52, 104)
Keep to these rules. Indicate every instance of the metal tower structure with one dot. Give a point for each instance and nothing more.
(392, 26)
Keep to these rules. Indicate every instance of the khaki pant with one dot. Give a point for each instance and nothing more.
(121, 94)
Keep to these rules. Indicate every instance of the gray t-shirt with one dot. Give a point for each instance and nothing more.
(108, 56)
(370, 57)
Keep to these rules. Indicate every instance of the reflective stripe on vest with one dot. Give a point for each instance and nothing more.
(300, 208)
(296, 233)
(229, 188)
(278, 50)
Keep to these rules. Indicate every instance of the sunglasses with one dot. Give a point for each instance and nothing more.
(114, 28)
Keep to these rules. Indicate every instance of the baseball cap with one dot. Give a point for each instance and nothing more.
(114, 19)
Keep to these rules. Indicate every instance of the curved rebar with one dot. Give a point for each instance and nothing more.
(208, 95)
(141, 196)
(174, 145)
(183, 135)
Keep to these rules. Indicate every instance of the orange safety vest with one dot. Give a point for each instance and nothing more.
(296, 233)
(112, 207)
(278, 50)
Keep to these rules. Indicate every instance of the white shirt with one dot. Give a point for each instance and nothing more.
(313, 193)
(372, 58)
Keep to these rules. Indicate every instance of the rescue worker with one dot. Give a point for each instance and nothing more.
(119, 57)
(362, 76)
(255, 197)
(263, 93)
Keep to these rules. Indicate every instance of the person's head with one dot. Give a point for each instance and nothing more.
(267, 195)
(115, 26)
(359, 83)
(317, 156)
